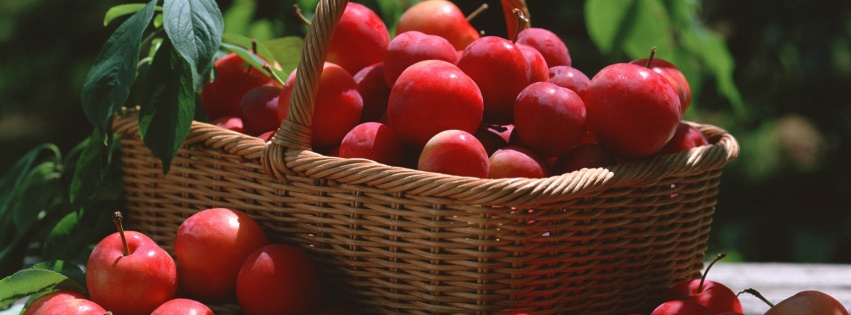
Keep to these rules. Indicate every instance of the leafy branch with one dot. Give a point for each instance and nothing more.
(631, 27)
(180, 67)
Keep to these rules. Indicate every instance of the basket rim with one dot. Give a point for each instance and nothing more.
(723, 148)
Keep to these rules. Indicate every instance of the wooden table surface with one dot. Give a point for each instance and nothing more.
(776, 281)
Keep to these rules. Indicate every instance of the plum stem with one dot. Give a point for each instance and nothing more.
(650, 59)
(478, 11)
(300, 15)
(253, 51)
(717, 258)
(118, 219)
(522, 23)
(756, 293)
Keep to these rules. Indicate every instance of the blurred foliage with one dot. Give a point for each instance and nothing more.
(784, 199)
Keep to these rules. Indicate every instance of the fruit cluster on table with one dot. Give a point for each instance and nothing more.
(221, 256)
(224, 257)
(441, 97)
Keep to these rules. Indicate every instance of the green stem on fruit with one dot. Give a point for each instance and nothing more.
(478, 11)
(756, 293)
(717, 258)
(650, 59)
(118, 219)
(272, 74)
(300, 15)
(522, 23)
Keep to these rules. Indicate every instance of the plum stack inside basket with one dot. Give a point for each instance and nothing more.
(392, 240)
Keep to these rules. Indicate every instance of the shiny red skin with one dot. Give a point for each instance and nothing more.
(500, 71)
(538, 70)
(210, 247)
(553, 49)
(515, 161)
(454, 152)
(134, 284)
(432, 96)
(337, 107)
(686, 137)
(64, 302)
(267, 136)
(681, 307)
(715, 296)
(411, 47)
(233, 123)
(359, 30)
(631, 110)
(374, 141)
(549, 119)
(182, 306)
(439, 17)
(569, 77)
(588, 155)
(674, 76)
(373, 90)
(808, 302)
(260, 110)
(278, 279)
(223, 96)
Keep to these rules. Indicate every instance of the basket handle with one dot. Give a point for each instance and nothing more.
(295, 131)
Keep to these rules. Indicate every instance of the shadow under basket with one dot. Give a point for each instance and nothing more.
(392, 240)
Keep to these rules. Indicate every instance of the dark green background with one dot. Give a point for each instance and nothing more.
(785, 199)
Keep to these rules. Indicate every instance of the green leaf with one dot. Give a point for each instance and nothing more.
(200, 112)
(71, 236)
(631, 26)
(651, 27)
(39, 194)
(168, 105)
(87, 171)
(109, 80)
(158, 21)
(252, 59)
(70, 270)
(124, 9)
(607, 21)
(29, 192)
(33, 281)
(19, 172)
(239, 16)
(195, 29)
(286, 52)
(245, 43)
(712, 50)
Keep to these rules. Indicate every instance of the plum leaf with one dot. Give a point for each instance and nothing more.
(111, 77)
(34, 281)
(168, 104)
(195, 28)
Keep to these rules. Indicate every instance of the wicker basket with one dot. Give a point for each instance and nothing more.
(392, 240)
